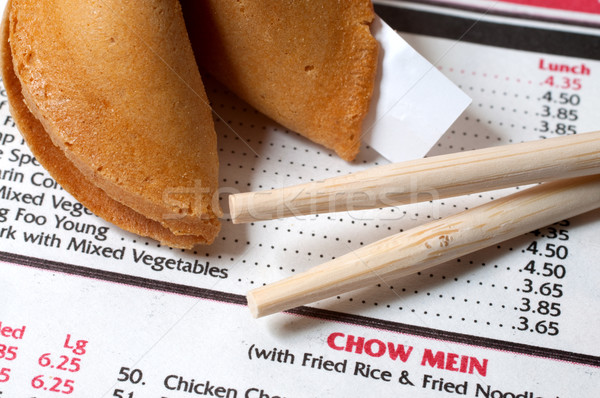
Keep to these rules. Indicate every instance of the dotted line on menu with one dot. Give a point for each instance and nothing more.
(441, 296)
(494, 76)
(509, 109)
(425, 312)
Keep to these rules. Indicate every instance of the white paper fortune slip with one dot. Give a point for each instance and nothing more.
(413, 102)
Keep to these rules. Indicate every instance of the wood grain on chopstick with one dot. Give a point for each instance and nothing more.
(427, 179)
(432, 244)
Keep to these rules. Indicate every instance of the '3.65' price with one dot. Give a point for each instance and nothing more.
(549, 328)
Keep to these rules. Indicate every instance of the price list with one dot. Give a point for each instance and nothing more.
(559, 112)
(544, 280)
(55, 371)
(531, 286)
(8, 353)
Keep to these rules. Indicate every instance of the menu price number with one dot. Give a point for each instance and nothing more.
(556, 128)
(550, 250)
(53, 384)
(562, 98)
(563, 82)
(542, 307)
(63, 363)
(552, 233)
(127, 375)
(559, 113)
(549, 270)
(549, 328)
(548, 289)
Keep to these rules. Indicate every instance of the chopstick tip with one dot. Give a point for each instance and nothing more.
(252, 306)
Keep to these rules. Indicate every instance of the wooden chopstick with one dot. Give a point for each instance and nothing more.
(432, 244)
(426, 179)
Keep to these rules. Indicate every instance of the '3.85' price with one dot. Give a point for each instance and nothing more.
(543, 307)
(557, 128)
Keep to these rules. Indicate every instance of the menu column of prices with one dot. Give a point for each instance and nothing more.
(560, 98)
(530, 288)
(544, 274)
(55, 371)
(10, 339)
(58, 369)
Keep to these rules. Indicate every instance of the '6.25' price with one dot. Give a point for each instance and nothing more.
(64, 363)
(56, 384)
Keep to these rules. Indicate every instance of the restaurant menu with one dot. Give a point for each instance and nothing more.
(88, 310)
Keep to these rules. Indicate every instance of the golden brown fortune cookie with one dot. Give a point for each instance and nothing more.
(108, 96)
(309, 65)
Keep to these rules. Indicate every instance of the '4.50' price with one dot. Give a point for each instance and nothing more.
(550, 250)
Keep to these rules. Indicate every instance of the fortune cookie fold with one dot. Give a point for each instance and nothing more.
(308, 64)
(109, 98)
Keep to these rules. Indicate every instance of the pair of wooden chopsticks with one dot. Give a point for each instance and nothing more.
(569, 166)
